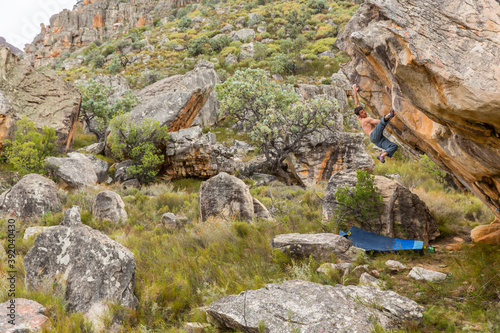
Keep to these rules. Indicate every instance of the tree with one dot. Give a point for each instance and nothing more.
(140, 143)
(361, 205)
(279, 124)
(97, 110)
(29, 147)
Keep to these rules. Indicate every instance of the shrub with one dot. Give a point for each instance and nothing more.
(140, 143)
(110, 49)
(29, 148)
(95, 58)
(360, 206)
(219, 43)
(181, 12)
(138, 45)
(317, 5)
(123, 44)
(199, 45)
(95, 105)
(278, 124)
(185, 22)
(157, 22)
(282, 64)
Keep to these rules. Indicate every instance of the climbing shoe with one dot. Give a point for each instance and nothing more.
(392, 114)
(381, 159)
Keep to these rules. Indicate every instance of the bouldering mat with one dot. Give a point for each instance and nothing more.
(373, 242)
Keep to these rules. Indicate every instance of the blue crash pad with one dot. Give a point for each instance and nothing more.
(373, 242)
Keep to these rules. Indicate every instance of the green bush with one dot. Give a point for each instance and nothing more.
(360, 206)
(185, 22)
(219, 43)
(110, 49)
(29, 148)
(139, 143)
(123, 44)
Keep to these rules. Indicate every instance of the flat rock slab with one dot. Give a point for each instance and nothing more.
(420, 273)
(320, 246)
(29, 316)
(310, 307)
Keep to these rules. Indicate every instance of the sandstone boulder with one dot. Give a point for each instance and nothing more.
(260, 211)
(101, 167)
(246, 51)
(95, 148)
(439, 69)
(227, 196)
(91, 267)
(320, 246)
(191, 153)
(34, 231)
(404, 215)
(109, 205)
(169, 220)
(30, 198)
(326, 153)
(29, 316)
(310, 307)
(180, 101)
(73, 172)
(41, 96)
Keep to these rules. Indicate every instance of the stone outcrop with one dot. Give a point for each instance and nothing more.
(41, 96)
(320, 246)
(331, 92)
(33, 196)
(72, 172)
(191, 153)
(180, 101)
(28, 316)
(326, 153)
(227, 196)
(404, 215)
(109, 205)
(302, 306)
(90, 267)
(437, 64)
(92, 20)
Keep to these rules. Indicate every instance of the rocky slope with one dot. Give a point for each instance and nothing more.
(438, 65)
(14, 49)
(91, 20)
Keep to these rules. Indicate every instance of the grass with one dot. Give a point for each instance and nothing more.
(82, 139)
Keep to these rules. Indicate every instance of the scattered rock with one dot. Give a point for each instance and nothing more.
(261, 179)
(395, 265)
(28, 315)
(195, 327)
(101, 167)
(242, 35)
(420, 273)
(73, 172)
(404, 214)
(227, 28)
(320, 246)
(30, 198)
(231, 59)
(95, 148)
(241, 147)
(83, 264)
(169, 220)
(366, 278)
(246, 51)
(311, 307)
(225, 195)
(261, 29)
(359, 270)
(109, 205)
(131, 183)
(277, 77)
(342, 268)
(328, 54)
(260, 211)
(121, 174)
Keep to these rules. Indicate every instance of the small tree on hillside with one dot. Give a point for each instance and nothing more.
(279, 124)
(97, 111)
(29, 147)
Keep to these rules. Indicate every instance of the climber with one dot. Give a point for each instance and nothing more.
(375, 128)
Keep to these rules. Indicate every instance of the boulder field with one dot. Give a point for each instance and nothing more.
(438, 65)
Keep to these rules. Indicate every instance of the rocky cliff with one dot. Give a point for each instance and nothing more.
(437, 63)
(92, 20)
(14, 49)
(41, 96)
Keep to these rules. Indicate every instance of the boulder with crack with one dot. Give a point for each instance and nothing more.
(83, 264)
(404, 215)
(74, 171)
(310, 307)
(109, 205)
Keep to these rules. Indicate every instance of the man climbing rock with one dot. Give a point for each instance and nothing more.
(375, 128)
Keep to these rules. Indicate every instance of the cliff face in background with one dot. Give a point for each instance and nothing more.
(92, 20)
(41, 96)
(437, 63)
(14, 49)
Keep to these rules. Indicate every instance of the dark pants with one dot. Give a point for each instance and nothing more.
(378, 138)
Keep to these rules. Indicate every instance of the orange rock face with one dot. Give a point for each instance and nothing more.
(440, 70)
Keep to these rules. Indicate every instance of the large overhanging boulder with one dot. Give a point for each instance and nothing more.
(404, 215)
(437, 63)
(180, 101)
(41, 96)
